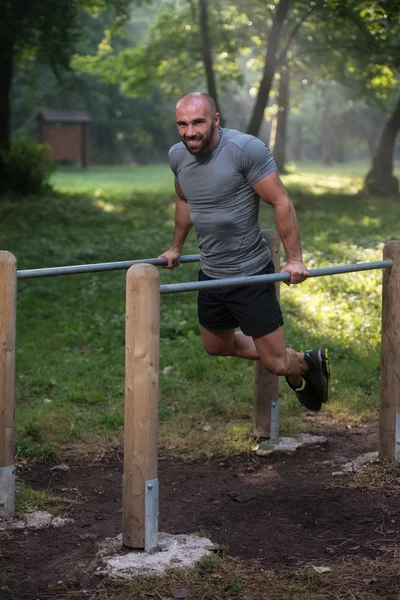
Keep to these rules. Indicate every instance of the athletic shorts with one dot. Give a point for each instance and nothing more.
(253, 308)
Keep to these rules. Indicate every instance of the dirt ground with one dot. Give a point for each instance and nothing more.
(281, 510)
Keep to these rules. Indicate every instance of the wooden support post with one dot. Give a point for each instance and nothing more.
(85, 141)
(140, 484)
(389, 415)
(266, 385)
(8, 311)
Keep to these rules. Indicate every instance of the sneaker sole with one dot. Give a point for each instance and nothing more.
(326, 370)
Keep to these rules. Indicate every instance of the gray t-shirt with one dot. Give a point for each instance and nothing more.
(223, 205)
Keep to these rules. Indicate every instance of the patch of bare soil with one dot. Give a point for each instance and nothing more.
(285, 511)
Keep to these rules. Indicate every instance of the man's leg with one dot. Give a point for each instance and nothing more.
(228, 342)
(270, 349)
(257, 311)
(308, 374)
(280, 360)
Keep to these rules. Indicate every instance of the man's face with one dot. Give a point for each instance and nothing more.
(197, 127)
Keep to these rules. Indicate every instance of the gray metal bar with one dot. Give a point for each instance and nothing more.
(275, 411)
(111, 266)
(7, 492)
(191, 286)
(151, 499)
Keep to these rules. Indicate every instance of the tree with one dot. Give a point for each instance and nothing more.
(48, 31)
(380, 179)
(123, 130)
(270, 66)
(372, 64)
(277, 142)
(187, 45)
(207, 54)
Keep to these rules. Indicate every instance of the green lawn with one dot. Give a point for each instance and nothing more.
(70, 335)
(122, 179)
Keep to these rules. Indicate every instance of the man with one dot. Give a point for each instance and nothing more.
(220, 174)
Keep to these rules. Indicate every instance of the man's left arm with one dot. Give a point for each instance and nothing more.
(271, 190)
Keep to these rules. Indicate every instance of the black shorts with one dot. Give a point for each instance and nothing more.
(253, 308)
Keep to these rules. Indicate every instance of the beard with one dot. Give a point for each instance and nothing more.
(202, 141)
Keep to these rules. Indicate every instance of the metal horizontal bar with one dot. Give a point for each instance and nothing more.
(191, 286)
(111, 266)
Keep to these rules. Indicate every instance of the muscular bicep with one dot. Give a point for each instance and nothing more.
(271, 189)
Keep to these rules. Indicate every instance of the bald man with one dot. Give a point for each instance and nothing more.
(220, 175)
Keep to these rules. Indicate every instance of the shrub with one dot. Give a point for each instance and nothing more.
(25, 167)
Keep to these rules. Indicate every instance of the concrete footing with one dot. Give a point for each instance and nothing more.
(172, 551)
(289, 445)
(7, 492)
(34, 519)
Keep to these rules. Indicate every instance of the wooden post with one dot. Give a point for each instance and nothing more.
(8, 311)
(389, 415)
(266, 385)
(85, 140)
(140, 483)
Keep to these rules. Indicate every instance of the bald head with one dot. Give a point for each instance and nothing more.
(198, 99)
(198, 122)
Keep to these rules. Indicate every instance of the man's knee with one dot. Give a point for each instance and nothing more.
(218, 343)
(276, 365)
(218, 349)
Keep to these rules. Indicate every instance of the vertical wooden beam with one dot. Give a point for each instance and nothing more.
(8, 311)
(389, 415)
(85, 141)
(266, 385)
(41, 131)
(140, 523)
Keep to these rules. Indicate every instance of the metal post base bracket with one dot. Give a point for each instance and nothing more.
(7, 492)
(151, 515)
(275, 412)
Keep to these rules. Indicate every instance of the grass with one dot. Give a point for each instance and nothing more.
(226, 578)
(118, 179)
(70, 338)
(70, 349)
(26, 498)
(379, 475)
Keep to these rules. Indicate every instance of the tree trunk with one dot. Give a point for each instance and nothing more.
(297, 142)
(6, 74)
(269, 68)
(278, 140)
(206, 54)
(327, 133)
(380, 179)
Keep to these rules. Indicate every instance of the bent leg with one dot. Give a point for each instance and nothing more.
(228, 342)
(270, 349)
(278, 359)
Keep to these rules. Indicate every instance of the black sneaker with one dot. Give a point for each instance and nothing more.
(315, 387)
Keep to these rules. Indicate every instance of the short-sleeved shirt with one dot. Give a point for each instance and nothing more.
(223, 205)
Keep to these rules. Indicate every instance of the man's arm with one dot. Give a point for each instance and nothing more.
(183, 225)
(271, 190)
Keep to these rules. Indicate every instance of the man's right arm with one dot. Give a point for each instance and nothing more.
(183, 224)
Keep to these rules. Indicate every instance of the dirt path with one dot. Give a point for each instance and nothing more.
(281, 510)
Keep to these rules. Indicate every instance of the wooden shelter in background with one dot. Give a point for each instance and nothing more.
(67, 132)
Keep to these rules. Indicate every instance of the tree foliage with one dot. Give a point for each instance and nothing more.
(373, 65)
(171, 55)
(123, 129)
(345, 52)
(48, 32)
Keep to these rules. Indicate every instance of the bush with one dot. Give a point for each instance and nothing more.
(25, 167)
